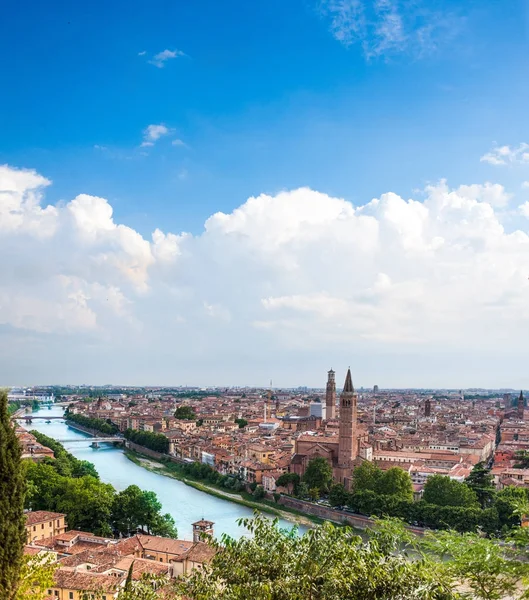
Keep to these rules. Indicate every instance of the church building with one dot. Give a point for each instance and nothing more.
(342, 450)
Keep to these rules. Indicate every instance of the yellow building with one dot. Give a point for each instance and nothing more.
(41, 524)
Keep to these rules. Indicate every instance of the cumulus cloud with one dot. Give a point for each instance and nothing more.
(159, 60)
(524, 209)
(389, 27)
(507, 155)
(152, 133)
(280, 276)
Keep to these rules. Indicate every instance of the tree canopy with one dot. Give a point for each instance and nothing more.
(327, 563)
(186, 413)
(12, 490)
(443, 491)
(318, 474)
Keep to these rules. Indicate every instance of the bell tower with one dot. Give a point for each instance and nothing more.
(330, 396)
(347, 441)
(201, 529)
(521, 406)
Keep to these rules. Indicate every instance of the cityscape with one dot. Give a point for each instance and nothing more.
(307, 451)
(264, 300)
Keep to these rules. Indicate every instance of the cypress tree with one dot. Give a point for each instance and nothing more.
(12, 489)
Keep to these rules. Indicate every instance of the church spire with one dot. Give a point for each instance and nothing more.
(348, 385)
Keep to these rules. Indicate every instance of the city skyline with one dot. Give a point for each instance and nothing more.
(212, 194)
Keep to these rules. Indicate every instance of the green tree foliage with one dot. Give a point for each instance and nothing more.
(395, 482)
(185, 413)
(480, 563)
(480, 481)
(259, 492)
(36, 577)
(511, 503)
(91, 505)
(65, 463)
(303, 491)
(365, 477)
(392, 482)
(327, 563)
(154, 441)
(338, 495)
(318, 474)
(290, 481)
(203, 472)
(443, 491)
(134, 508)
(241, 423)
(12, 489)
(106, 427)
(522, 459)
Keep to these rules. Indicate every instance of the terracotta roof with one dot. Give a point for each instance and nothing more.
(90, 582)
(162, 544)
(40, 516)
(200, 553)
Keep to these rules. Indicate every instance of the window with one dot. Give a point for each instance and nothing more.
(34, 528)
(70, 595)
(42, 526)
(57, 522)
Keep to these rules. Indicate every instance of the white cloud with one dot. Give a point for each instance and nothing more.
(525, 185)
(279, 278)
(178, 142)
(159, 60)
(152, 133)
(492, 193)
(142, 53)
(507, 155)
(389, 27)
(524, 209)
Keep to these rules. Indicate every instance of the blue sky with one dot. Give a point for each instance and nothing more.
(266, 99)
(350, 99)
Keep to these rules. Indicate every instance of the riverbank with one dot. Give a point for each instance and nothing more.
(160, 468)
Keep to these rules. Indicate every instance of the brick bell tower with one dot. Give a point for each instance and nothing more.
(330, 396)
(347, 438)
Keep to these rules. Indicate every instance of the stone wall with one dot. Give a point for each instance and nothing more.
(337, 516)
(326, 513)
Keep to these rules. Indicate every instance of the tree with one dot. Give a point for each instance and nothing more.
(12, 489)
(443, 491)
(241, 423)
(289, 480)
(481, 481)
(522, 459)
(36, 577)
(365, 477)
(395, 482)
(318, 474)
(327, 563)
(478, 562)
(338, 495)
(185, 413)
(134, 508)
(314, 494)
(259, 492)
(511, 503)
(302, 491)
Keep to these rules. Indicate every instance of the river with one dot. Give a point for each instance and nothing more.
(184, 503)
